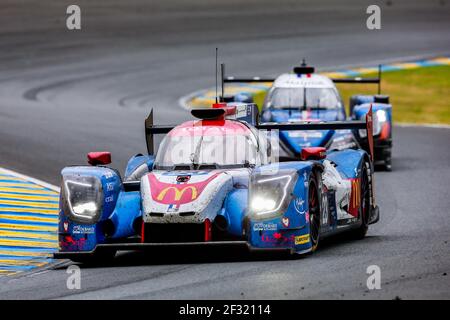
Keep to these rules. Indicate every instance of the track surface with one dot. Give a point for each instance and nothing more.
(65, 93)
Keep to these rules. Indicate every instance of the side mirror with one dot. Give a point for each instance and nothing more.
(101, 157)
(313, 153)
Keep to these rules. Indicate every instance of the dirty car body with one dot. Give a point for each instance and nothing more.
(216, 181)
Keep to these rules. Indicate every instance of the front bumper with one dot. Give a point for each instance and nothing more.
(216, 245)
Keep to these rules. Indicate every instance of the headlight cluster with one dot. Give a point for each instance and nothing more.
(82, 198)
(379, 119)
(270, 194)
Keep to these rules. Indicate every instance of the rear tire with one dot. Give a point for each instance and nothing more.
(387, 157)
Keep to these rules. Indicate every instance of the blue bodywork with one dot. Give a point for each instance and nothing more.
(361, 110)
(121, 211)
(296, 140)
(118, 201)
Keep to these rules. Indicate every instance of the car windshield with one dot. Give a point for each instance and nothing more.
(194, 152)
(302, 98)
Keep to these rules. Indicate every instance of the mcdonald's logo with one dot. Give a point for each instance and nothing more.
(177, 193)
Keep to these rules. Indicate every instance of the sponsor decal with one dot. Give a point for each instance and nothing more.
(77, 229)
(173, 208)
(302, 239)
(109, 199)
(66, 226)
(305, 145)
(260, 226)
(307, 216)
(355, 197)
(69, 243)
(241, 113)
(176, 194)
(305, 179)
(278, 238)
(183, 178)
(108, 175)
(298, 205)
(305, 135)
(109, 186)
(285, 222)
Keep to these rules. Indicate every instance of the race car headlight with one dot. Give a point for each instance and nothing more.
(270, 194)
(379, 119)
(82, 198)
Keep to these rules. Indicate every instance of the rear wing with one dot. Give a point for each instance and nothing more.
(245, 80)
(330, 125)
(357, 80)
(151, 129)
(354, 80)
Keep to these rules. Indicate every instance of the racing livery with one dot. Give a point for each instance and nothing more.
(217, 181)
(306, 96)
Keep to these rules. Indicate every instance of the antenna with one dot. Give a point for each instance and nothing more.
(222, 73)
(216, 73)
(303, 62)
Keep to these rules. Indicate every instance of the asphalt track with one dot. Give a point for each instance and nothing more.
(64, 93)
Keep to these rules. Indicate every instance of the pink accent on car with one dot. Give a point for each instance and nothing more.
(172, 193)
(210, 128)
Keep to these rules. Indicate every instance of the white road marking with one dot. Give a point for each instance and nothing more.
(426, 125)
(183, 101)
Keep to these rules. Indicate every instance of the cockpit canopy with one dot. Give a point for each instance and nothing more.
(302, 98)
(198, 145)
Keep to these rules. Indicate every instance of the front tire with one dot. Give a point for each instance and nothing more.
(314, 212)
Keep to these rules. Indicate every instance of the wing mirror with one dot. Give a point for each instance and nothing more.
(313, 153)
(99, 158)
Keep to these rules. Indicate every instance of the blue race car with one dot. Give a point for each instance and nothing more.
(304, 95)
(214, 182)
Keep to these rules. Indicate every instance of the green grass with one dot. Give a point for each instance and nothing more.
(419, 95)
(259, 99)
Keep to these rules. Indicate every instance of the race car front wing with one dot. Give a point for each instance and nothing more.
(222, 245)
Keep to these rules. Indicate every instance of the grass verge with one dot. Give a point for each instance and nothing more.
(417, 95)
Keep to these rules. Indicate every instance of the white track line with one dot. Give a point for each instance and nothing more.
(182, 102)
(425, 125)
(30, 179)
